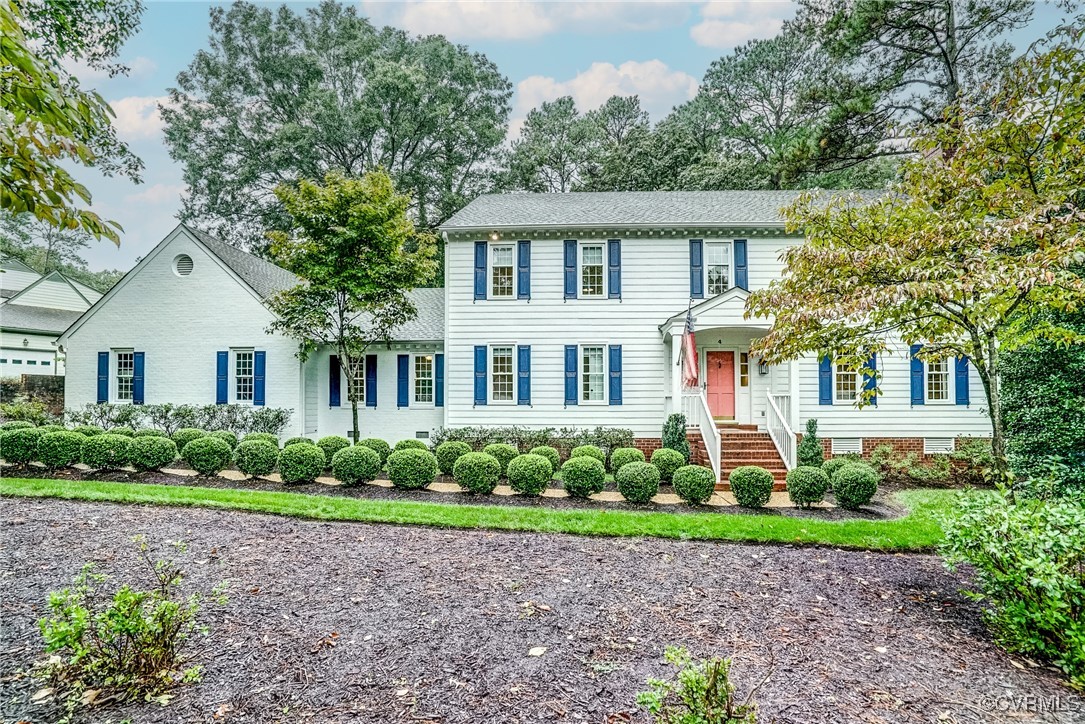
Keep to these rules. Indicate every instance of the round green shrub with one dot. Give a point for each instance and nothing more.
(591, 451)
(88, 430)
(227, 436)
(751, 485)
(830, 466)
(411, 444)
(807, 485)
(448, 453)
(331, 444)
(256, 457)
(477, 472)
(583, 475)
(694, 484)
(854, 485)
(207, 455)
(504, 454)
(20, 445)
(150, 432)
(298, 441)
(668, 461)
(301, 463)
(126, 431)
(550, 453)
(624, 456)
(354, 465)
(382, 448)
(46, 429)
(265, 436)
(530, 474)
(186, 435)
(105, 452)
(151, 452)
(59, 449)
(412, 468)
(16, 425)
(638, 482)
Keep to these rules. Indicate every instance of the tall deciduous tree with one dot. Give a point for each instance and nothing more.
(968, 253)
(552, 151)
(358, 254)
(280, 96)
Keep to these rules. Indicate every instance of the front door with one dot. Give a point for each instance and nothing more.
(720, 384)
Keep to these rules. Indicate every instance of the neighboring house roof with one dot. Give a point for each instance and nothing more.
(5, 293)
(10, 262)
(626, 209)
(25, 318)
(39, 291)
(264, 277)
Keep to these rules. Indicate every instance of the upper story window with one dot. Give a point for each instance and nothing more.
(502, 376)
(501, 271)
(592, 374)
(591, 270)
(845, 384)
(243, 375)
(938, 380)
(126, 369)
(718, 266)
(423, 379)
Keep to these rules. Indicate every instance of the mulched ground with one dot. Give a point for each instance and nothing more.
(365, 623)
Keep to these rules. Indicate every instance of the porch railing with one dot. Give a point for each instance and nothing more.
(695, 408)
(779, 412)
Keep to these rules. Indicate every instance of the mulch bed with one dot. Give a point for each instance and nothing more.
(345, 622)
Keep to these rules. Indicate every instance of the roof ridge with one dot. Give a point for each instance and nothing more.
(263, 276)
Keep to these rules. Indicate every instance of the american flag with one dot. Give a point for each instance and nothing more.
(689, 353)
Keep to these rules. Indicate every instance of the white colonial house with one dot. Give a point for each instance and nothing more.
(558, 310)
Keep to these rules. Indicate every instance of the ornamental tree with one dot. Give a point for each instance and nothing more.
(358, 253)
(968, 253)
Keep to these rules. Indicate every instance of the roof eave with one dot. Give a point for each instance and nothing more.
(620, 225)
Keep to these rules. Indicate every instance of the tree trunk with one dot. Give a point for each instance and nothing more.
(987, 368)
(354, 417)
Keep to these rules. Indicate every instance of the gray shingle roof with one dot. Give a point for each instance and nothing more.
(264, 277)
(429, 325)
(625, 208)
(40, 319)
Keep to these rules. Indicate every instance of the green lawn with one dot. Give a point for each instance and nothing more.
(917, 531)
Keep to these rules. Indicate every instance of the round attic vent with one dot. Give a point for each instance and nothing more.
(182, 265)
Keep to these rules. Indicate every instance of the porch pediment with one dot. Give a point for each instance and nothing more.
(723, 310)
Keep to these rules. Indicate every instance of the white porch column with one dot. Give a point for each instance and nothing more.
(676, 366)
(793, 391)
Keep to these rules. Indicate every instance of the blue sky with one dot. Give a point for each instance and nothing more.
(590, 50)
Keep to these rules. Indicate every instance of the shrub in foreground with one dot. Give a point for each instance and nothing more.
(298, 441)
(20, 445)
(59, 449)
(667, 461)
(355, 464)
(448, 453)
(674, 435)
(150, 432)
(16, 425)
(105, 452)
(477, 472)
(854, 485)
(530, 474)
(694, 484)
(807, 485)
(186, 435)
(265, 436)
(550, 453)
(207, 455)
(331, 444)
(227, 436)
(503, 453)
(151, 452)
(411, 443)
(412, 468)
(382, 448)
(702, 693)
(46, 429)
(810, 453)
(301, 463)
(583, 475)
(256, 457)
(126, 431)
(830, 466)
(591, 451)
(638, 482)
(751, 485)
(623, 456)
(88, 430)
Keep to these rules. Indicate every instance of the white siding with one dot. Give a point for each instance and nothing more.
(32, 358)
(16, 278)
(54, 293)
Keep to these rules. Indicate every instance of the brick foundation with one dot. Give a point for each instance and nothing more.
(901, 445)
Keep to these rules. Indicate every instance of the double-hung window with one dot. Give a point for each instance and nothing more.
(126, 370)
(845, 384)
(501, 271)
(243, 375)
(423, 379)
(938, 380)
(591, 270)
(718, 266)
(592, 373)
(502, 376)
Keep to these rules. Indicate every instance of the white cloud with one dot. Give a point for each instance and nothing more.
(727, 23)
(138, 117)
(138, 67)
(522, 19)
(158, 194)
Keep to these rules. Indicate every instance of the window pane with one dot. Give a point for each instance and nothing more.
(502, 374)
(126, 365)
(501, 274)
(243, 384)
(938, 380)
(591, 380)
(591, 271)
(847, 384)
(718, 265)
(423, 378)
(744, 369)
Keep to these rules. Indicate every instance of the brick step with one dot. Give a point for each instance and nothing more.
(754, 447)
(728, 426)
(777, 487)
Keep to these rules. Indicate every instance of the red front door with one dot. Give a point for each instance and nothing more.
(720, 384)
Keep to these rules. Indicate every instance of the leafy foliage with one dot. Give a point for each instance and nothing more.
(17, 425)
(88, 430)
(412, 469)
(503, 453)
(583, 476)
(623, 456)
(590, 451)
(810, 453)
(105, 452)
(751, 485)
(448, 453)
(477, 472)
(298, 440)
(378, 446)
(548, 452)
(674, 435)
(694, 484)
(227, 436)
(908, 468)
(854, 485)
(151, 452)
(256, 456)
(59, 449)
(638, 482)
(186, 435)
(20, 445)
(807, 485)
(525, 439)
(32, 412)
(265, 436)
(702, 694)
(354, 465)
(207, 455)
(241, 419)
(667, 461)
(301, 463)
(410, 443)
(530, 474)
(331, 444)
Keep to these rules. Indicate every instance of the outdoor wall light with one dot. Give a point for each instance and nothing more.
(494, 236)
(762, 367)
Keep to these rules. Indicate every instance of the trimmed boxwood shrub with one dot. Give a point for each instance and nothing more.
(331, 444)
(638, 482)
(503, 452)
(301, 463)
(411, 443)
(20, 445)
(354, 465)
(256, 457)
(59, 449)
(807, 485)
(382, 448)
(583, 475)
(88, 430)
(265, 436)
(694, 484)
(186, 435)
(477, 472)
(591, 451)
(830, 466)
(150, 432)
(448, 453)
(298, 441)
(550, 453)
(16, 425)
(207, 455)
(854, 485)
(46, 429)
(105, 452)
(151, 452)
(751, 485)
(227, 436)
(126, 431)
(624, 456)
(412, 468)
(668, 461)
(530, 474)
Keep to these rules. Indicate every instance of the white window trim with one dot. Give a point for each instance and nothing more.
(951, 382)
(433, 379)
(344, 383)
(580, 374)
(490, 373)
(731, 267)
(490, 269)
(859, 381)
(114, 384)
(580, 270)
(231, 378)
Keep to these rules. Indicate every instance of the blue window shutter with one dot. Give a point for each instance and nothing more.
(523, 269)
(614, 268)
(825, 381)
(403, 379)
(871, 383)
(480, 270)
(961, 386)
(570, 269)
(742, 269)
(222, 371)
(523, 374)
(371, 380)
(259, 372)
(480, 374)
(918, 398)
(438, 380)
(335, 381)
(103, 377)
(696, 268)
(615, 374)
(570, 374)
(137, 378)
